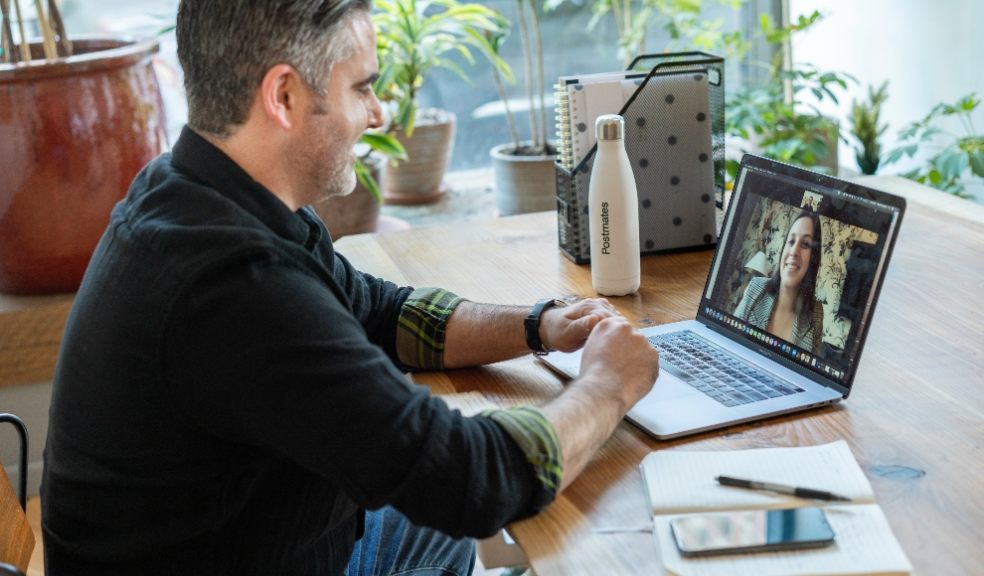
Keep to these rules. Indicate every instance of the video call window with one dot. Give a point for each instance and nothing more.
(800, 266)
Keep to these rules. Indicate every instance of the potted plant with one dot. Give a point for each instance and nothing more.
(772, 119)
(414, 37)
(958, 164)
(524, 170)
(78, 120)
(865, 127)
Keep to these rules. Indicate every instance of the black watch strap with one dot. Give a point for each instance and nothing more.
(532, 324)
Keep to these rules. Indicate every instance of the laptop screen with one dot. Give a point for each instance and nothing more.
(800, 265)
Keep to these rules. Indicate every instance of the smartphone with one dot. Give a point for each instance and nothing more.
(751, 531)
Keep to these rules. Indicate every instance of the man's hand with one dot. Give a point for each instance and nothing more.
(567, 328)
(620, 359)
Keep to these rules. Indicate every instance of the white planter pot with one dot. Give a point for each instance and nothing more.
(523, 183)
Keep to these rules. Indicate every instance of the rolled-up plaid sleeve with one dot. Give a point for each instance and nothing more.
(422, 327)
(536, 437)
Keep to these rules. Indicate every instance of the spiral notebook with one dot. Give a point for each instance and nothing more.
(668, 138)
(580, 101)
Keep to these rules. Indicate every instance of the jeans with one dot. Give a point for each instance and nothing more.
(392, 546)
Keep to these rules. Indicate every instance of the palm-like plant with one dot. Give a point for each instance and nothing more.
(415, 37)
(866, 126)
(528, 19)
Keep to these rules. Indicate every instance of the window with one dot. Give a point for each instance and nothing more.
(569, 48)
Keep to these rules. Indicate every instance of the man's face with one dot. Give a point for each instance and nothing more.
(322, 153)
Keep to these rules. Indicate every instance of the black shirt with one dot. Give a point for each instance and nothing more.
(228, 397)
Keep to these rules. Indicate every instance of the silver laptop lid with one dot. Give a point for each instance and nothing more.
(799, 267)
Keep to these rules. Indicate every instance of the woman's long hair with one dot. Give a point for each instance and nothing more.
(807, 288)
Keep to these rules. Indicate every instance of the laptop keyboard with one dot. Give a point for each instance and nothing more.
(716, 372)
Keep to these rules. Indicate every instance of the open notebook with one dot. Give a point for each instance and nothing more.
(681, 483)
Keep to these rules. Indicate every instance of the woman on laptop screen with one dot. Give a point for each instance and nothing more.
(785, 305)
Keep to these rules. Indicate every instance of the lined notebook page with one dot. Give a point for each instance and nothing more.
(683, 481)
(864, 545)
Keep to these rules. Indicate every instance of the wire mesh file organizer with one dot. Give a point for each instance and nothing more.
(674, 137)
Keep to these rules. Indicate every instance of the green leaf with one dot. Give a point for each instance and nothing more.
(386, 74)
(765, 23)
(969, 102)
(406, 115)
(976, 160)
(897, 154)
(951, 164)
(928, 134)
(364, 175)
(731, 168)
(385, 144)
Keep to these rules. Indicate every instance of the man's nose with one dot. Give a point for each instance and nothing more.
(375, 113)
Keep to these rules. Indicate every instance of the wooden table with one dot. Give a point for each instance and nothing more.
(915, 420)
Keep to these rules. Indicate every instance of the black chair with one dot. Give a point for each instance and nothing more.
(22, 431)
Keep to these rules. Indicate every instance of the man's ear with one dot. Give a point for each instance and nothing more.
(281, 94)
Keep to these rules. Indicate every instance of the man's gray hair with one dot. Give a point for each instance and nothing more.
(227, 46)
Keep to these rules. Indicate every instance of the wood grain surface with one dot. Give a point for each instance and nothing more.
(915, 419)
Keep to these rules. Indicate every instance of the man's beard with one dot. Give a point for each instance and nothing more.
(329, 172)
(342, 180)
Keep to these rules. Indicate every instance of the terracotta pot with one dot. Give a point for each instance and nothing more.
(523, 183)
(73, 134)
(419, 179)
(354, 213)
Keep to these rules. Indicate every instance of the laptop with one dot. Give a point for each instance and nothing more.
(785, 310)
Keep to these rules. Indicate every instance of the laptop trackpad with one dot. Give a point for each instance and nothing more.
(669, 387)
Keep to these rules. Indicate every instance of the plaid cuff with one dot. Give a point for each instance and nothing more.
(537, 439)
(422, 326)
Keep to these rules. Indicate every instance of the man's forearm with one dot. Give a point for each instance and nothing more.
(618, 367)
(484, 333)
(583, 419)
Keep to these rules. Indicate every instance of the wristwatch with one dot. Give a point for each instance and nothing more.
(532, 324)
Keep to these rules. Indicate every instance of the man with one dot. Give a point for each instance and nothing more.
(230, 396)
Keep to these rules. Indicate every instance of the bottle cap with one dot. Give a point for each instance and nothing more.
(609, 127)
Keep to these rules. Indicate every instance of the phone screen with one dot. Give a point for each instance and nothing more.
(751, 531)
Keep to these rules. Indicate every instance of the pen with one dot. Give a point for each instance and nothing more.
(781, 489)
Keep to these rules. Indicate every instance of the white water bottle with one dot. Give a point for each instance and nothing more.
(613, 210)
